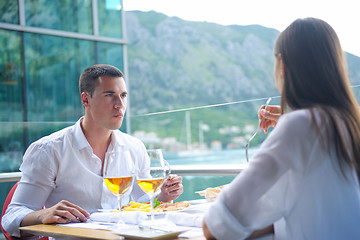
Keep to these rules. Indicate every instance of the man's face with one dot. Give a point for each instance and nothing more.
(106, 108)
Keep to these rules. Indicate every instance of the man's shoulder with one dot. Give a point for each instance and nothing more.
(57, 137)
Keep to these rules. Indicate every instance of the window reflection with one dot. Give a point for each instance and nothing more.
(111, 53)
(66, 15)
(9, 11)
(11, 101)
(109, 13)
(53, 67)
(39, 73)
(11, 97)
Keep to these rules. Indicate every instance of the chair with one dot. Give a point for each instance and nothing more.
(6, 203)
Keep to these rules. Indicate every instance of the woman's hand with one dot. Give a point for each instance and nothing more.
(269, 117)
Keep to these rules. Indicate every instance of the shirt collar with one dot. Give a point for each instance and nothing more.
(80, 139)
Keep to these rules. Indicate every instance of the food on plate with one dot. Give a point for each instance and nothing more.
(162, 207)
(176, 206)
(135, 206)
(211, 193)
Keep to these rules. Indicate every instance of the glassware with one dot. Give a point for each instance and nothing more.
(159, 170)
(119, 179)
(256, 131)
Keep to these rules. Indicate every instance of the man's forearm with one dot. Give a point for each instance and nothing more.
(31, 219)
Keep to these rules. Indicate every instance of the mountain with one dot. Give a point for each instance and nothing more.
(181, 59)
(176, 64)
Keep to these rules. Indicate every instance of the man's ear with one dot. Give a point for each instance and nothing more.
(85, 99)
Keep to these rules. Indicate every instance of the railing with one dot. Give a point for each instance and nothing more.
(10, 177)
(183, 170)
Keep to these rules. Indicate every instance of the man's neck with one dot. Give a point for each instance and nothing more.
(98, 138)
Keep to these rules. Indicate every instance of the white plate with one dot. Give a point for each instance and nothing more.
(148, 213)
(197, 201)
(134, 232)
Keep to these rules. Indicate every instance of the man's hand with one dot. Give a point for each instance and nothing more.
(171, 189)
(62, 212)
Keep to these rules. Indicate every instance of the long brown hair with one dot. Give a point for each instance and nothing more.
(315, 76)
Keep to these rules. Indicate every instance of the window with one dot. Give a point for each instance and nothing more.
(9, 11)
(109, 14)
(66, 15)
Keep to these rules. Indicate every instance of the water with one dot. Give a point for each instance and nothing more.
(236, 156)
(196, 183)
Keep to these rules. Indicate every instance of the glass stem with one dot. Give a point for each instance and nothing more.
(152, 209)
(120, 221)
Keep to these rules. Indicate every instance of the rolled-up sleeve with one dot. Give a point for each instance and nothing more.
(36, 184)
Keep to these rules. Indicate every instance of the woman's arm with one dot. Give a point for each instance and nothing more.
(255, 234)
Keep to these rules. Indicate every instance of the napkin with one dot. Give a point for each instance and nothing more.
(185, 219)
(128, 217)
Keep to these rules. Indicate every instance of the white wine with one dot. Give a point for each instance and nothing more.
(150, 185)
(118, 185)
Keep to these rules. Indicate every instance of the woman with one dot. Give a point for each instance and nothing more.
(304, 180)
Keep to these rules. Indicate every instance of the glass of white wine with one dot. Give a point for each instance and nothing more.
(119, 179)
(159, 170)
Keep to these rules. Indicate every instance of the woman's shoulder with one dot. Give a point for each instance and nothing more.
(297, 116)
(303, 120)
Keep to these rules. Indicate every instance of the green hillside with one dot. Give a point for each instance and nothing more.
(176, 64)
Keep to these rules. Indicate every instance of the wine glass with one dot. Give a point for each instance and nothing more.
(159, 170)
(119, 178)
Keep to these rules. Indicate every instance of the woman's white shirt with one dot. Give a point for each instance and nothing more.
(294, 183)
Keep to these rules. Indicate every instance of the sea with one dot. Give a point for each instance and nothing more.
(197, 183)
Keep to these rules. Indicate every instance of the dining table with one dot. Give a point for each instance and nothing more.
(169, 225)
(63, 232)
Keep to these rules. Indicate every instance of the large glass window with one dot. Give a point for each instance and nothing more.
(11, 96)
(11, 101)
(53, 66)
(9, 11)
(111, 53)
(66, 15)
(109, 13)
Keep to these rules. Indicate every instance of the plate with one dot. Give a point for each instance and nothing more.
(198, 201)
(147, 213)
(134, 232)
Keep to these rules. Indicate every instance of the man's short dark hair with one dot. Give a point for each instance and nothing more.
(89, 78)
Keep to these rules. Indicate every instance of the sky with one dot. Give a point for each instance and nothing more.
(342, 15)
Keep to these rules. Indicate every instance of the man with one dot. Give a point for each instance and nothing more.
(63, 171)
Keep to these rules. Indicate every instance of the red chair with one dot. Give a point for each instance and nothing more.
(6, 203)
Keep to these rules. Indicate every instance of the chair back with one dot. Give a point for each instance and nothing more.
(6, 203)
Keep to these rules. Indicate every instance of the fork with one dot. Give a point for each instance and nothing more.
(256, 131)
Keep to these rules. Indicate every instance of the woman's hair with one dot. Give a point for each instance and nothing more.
(89, 77)
(315, 76)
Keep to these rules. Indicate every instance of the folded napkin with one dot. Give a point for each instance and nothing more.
(185, 219)
(128, 217)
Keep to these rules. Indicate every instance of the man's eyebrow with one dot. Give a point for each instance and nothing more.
(108, 91)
